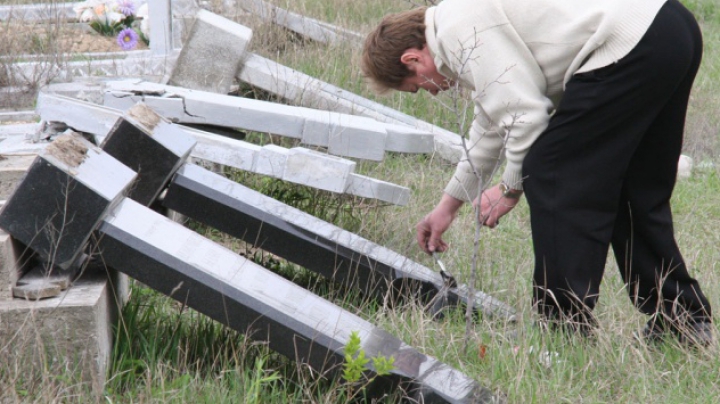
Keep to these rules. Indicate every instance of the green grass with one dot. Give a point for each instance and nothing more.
(165, 352)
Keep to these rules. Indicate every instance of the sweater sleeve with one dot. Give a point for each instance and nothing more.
(511, 109)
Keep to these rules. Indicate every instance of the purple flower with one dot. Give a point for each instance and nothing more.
(127, 39)
(127, 7)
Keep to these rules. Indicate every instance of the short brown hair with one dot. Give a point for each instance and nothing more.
(385, 45)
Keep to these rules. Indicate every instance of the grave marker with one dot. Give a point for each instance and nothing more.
(212, 55)
(67, 173)
(211, 279)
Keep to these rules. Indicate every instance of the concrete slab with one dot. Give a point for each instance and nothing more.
(307, 91)
(41, 282)
(212, 55)
(13, 257)
(12, 170)
(67, 336)
(343, 134)
(317, 170)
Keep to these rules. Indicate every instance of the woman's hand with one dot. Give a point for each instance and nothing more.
(432, 227)
(493, 205)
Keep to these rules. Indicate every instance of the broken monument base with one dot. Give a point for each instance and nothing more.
(64, 337)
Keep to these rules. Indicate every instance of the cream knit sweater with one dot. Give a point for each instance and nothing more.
(516, 56)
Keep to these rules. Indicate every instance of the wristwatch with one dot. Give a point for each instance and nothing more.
(510, 193)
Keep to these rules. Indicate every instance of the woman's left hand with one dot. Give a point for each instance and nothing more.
(493, 205)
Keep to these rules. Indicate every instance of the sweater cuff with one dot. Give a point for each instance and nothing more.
(464, 189)
(513, 176)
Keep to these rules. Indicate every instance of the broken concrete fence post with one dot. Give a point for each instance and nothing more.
(210, 147)
(318, 170)
(212, 55)
(343, 134)
(307, 91)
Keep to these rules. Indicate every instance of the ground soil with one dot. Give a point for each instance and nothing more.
(23, 39)
(55, 42)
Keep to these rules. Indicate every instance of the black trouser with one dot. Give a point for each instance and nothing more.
(603, 173)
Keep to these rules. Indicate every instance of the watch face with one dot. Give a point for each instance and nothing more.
(508, 192)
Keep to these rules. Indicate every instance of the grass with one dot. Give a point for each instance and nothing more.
(167, 353)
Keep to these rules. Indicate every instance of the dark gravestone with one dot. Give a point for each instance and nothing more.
(273, 226)
(151, 146)
(246, 297)
(308, 241)
(64, 195)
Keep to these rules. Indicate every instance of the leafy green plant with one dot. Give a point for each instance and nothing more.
(356, 362)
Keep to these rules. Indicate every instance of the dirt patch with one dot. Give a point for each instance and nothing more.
(34, 39)
(69, 149)
(144, 115)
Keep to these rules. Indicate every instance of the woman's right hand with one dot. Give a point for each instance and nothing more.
(431, 228)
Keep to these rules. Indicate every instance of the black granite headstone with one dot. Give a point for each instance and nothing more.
(246, 297)
(151, 146)
(66, 192)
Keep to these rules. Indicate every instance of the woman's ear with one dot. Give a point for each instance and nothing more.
(410, 57)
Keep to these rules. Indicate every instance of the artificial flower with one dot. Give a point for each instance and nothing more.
(126, 7)
(85, 10)
(127, 39)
